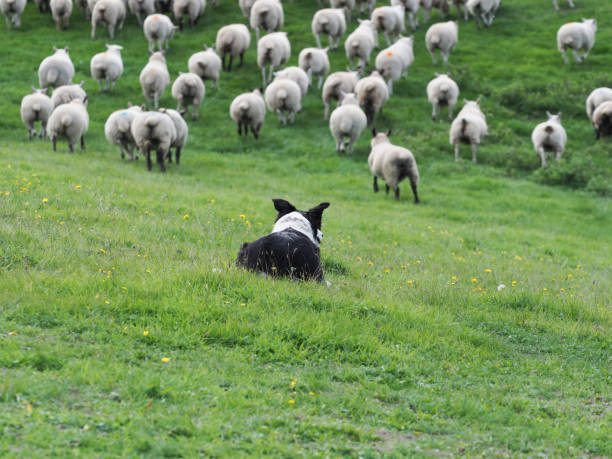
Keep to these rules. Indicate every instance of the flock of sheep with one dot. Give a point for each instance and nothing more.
(359, 97)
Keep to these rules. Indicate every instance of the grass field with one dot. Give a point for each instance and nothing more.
(125, 330)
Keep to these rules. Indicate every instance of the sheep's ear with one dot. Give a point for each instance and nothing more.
(54, 48)
(359, 20)
(283, 207)
(389, 132)
(163, 52)
(325, 50)
(108, 46)
(479, 100)
(548, 114)
(45, 90)
(82, 83)
(66, 48)
(129, 104)
(33, 88)
(374, 132)
(437, 74)
(559, 115)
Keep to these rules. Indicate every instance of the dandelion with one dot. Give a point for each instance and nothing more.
(107, 302)
(185, 217)
(145, 333)
(387, 271)
(545, 289)
(359, 258)
(311, 394)
(403, 266)
(12, 333)
(165, 359)
(518, 257)
(293, 383)
(487, 271)
(243, 216)
(102, 250)
(474, 280)
(371, 263)
(514, 283)
(454, 278)
(148, 270)
(45, 200)
(291, 402)
(212, 201)
(409, 282)
(569, 276)
(78, 187)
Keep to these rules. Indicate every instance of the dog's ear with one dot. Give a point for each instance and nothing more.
(315, 214)
(283, 207)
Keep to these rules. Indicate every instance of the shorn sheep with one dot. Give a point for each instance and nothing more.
(360, 44)
(159, 29)
(347, 120)
(108, 13)
(470, 126)
(443, 36)
(248, 110)
(389, 20)
(330, 22)
(56, 70)
(314, 61)
(283, 97)
(154, 78)
(577, 36)
(274, 50)
(596, 98)
(483, 11)
(36, 107)
(569, 2)
(296, 74)
(393, 62)
(61, 11)
(335, 85)
(70, 121)
(206, 64)
(372, 92)
(232, 40)
(118, 130)
(67, 93)
(442, 90)
(12, 10)
(267, 15)
(602, 119)
(392, 164)
(107, 67)
(188, 89)
(549, 137)
(153, 131)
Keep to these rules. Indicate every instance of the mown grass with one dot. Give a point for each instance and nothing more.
(125, 330)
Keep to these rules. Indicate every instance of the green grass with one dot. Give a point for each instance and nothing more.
(106, 268)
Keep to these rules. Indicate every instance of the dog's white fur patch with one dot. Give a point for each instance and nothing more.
(299, 223)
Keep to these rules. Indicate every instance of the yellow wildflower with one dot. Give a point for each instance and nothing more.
(145, 333)
(165, 359)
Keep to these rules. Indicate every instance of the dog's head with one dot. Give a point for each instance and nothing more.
(312, 217)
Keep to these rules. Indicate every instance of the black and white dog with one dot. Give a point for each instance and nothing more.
(292, 249)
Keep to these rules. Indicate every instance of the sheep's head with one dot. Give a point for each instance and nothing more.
(379, 138)
(555, 118)
(347, 98)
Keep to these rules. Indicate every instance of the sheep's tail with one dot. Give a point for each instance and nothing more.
(282, 94)
(371, 87)
(228, 43)
(324, 23)
(380, 22)
(464, 124)
(123, 125)
(66, 121)
(444, 87)
(345, 125)
(567, 41)
(202, 65)
(151, 122)
(102, 70)
(549, 130)
(36, 108)
(406, 167)
(244, 107)
(434, 39)
(52, 75)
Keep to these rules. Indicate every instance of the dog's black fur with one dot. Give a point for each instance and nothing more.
(287, 253)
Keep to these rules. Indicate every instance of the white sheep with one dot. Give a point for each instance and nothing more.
(365, 6)
(67, 93)
(141, 8)
(549, 137)
(314, 61)
(109, 13)
(336, 84)
(181, 130)
(596, 98)
(283, 97)
(412, 8)
(470, 126)
(267, 15)
(347, 5)
(233, 39)
(428, 5)
(154, 78)
(249, 110)
(70, 121)
(107, 67)
(118, 130)
(579, 36)
(443, 36)
(12, 10)
(245, 7)
(206, 64)
(392, 164)
(61, 11)
(193, 9)
(274, 50)
(360, 43)
(330, 22)
(442, 90)
(158, 28)
(347, 120)
(483, 10)
(188, 89)
(36, 107)
(389, 20)
(56, 70)
(602, 119)
(153, 131)
(296, 74)
(372, 92)
(556, 4)
(393, 62)
(462, 4)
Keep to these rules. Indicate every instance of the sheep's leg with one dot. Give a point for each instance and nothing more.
(444, 56)
(139, 19)
(194, 112)
(111, 31)
(147, 153)
(121, 152)
(318, 40)
(433, 56)
(271, 73)
(326, 114)
(54, 140)
(241, 60)
(231, 60)
(585, 55)
(256, 34)
(8, 21)
(156, 100)
(564, 55)
(474, 150)
(291, 117)
(93, 30)
(66, 21)
(425, 15)
(457, 152)
(375, 186)
(386, 35)
(177, 153)
(556, 5)
(339, 145)
(558, 155)
(82, 142)
(100, 85)
(239, 128)
(413, 24)
(477, 21)
(320, 81)
(43, 130)
(160, 159)
(413, 185)
(390, 86)
(151, 46)
(263, 75)
(387, 187)
(450, 112)
(435, 111)
(571, 3)
(255, 131)
(576, 56)
(30, 130)
(397, 192)
(542, 154)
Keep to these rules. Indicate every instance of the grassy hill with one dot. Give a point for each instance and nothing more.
(125, 329)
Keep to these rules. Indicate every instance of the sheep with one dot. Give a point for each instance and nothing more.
(336, 84)
(274, 50)
(192, 8)
(360, 44)
(67, 93)
(153, 131)
(347, 120)
(602, 119)
(443, 36)
(331, 22)
(392, 164)
(107, 67)
(579, 36)
(412, 8)
(596, 98)
(188, 89)
(108, 12)
(394, 61)
(61, 11)
(140, 8)
(428, 5)
(284, 95)
(365, 5)
(372, 92)
(314, 61)
(347, 5)
(245, 7)
(389, 20)
(154, 78)
(12, 10)
(549, 136)
(206, 64)
(36, 107)
(233, 39)
(442, 90)
(249, 110)
(56, 70)
(297, 75)
(181, 131)
(71, 121)
(43, 6)
(267, 15)
(158, 28)
(470, 126)
(462, 3)
(483, 10)
(556, 4)
(117, 130)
